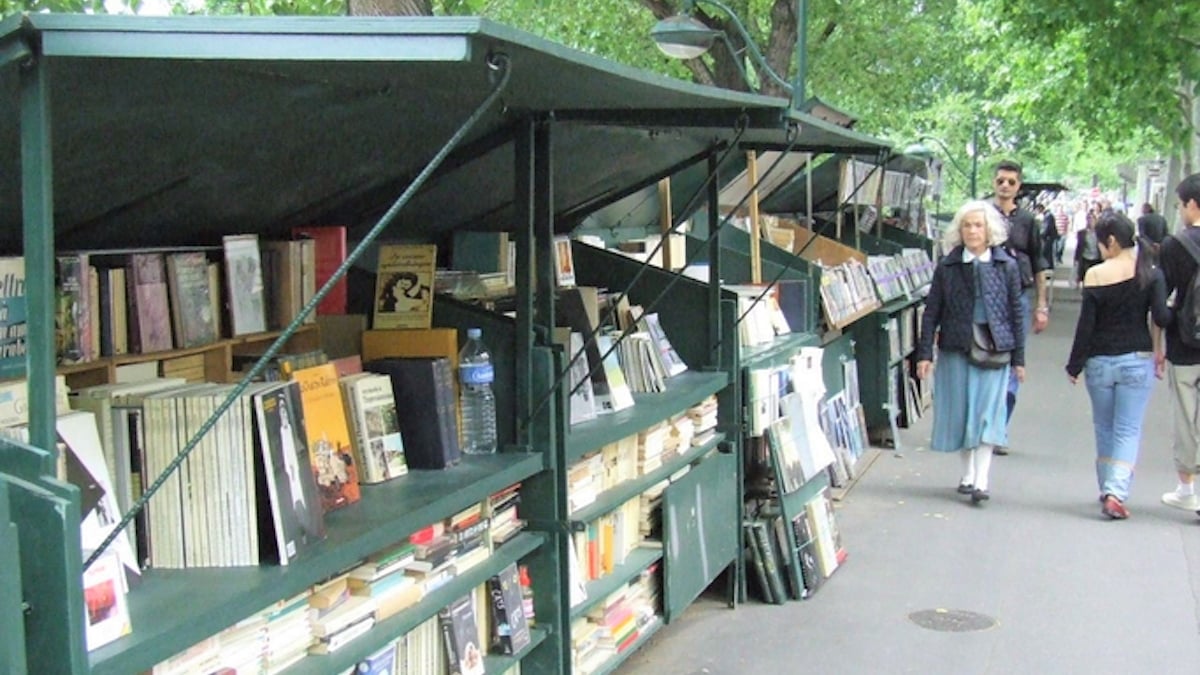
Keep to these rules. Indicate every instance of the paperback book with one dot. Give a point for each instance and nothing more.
(296, 514)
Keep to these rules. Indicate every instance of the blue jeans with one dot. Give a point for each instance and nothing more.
(1119, 387)
(1027, 298)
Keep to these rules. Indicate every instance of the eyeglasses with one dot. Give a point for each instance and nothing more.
(1002, 181)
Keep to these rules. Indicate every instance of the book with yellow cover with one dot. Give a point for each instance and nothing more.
(404, 286)
(328, 435)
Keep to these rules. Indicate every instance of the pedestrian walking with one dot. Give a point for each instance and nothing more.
(1119, 349)
(1023, 243)
(974, 299)
(1183, 371)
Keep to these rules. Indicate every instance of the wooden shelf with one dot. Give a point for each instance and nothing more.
(215, 598)
(683, 391)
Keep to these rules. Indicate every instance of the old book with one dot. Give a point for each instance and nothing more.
(72, 315)
(149, 308)
(13, 316)
(581, 398)
(328, 436)
(404, 286)
(371, 408)
(286, 473)
(564, 262)
(283, 282)
(192, 320)
(329, 244)
(426, 409)
(244, 282)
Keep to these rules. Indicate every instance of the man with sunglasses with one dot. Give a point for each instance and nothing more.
(1025, 244)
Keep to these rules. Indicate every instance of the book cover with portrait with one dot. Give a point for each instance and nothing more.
(297, 518)
(404, 286)
(328, 436)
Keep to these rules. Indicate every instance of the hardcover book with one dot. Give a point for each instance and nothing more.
(192, 317)
(330, 252)
(72, 316)
(426, 407)
(297, 517)
(13, 317)
(149, 309)
(371, 407)
(404, 286)
(328, 437)
(244, 276)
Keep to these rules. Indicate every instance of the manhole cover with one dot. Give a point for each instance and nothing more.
(951, 620)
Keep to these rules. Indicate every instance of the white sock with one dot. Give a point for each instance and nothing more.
(983, 464)
(968, 465)
(1185, 489)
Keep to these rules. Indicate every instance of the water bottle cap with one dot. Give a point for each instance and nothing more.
(474, 333)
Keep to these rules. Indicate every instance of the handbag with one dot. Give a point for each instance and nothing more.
(983, 352)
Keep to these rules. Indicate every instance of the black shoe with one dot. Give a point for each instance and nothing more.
(965, 488)
(980, 496)
(1000, 451)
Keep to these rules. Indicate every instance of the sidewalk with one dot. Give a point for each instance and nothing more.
(1070, 591)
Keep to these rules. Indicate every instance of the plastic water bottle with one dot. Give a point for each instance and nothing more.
(478, 402)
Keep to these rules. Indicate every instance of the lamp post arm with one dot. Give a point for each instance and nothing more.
(760, 61)
(953, 162)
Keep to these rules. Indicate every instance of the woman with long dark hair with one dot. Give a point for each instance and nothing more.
(1118, 347)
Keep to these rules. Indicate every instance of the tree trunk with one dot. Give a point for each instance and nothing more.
(390, 7)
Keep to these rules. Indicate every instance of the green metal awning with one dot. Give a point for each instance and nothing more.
(177, 130)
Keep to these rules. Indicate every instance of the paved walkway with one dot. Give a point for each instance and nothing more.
(1071, 591)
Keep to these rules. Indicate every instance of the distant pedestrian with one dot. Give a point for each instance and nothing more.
(1119, 351)
(1183, 373)
(1087, 250)
(977, 282)
(1152, 225)
(1061, 222)
(1049, 235)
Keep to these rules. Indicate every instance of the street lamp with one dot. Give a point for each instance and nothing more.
(918, 149)
(685, 37)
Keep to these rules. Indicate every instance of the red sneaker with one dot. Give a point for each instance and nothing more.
(1113, 508)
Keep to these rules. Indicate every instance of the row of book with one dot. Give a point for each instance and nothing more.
(847, 291)
(639, 454)
(628, 352)
(770, 555)
(900, 275)
(615, 624)
(111, 303)
(326, 618)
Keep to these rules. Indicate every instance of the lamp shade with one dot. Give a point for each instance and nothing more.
(682, 37)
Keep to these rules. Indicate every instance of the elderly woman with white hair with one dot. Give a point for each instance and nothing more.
(974, 309)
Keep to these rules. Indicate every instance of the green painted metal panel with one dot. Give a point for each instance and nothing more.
(47, 516)
(700, 516)
(12, 614)
(908, 239)
(837, 351)
(543, 506)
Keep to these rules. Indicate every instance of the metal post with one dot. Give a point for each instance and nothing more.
(975, 158)
(798, 93)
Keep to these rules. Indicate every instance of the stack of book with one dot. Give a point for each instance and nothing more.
(382, 577)
(704, 420)
(620, 459)
(585, 481)
(651, 442)
(503, 518)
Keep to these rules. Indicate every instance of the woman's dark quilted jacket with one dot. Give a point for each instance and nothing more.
(950, 307)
